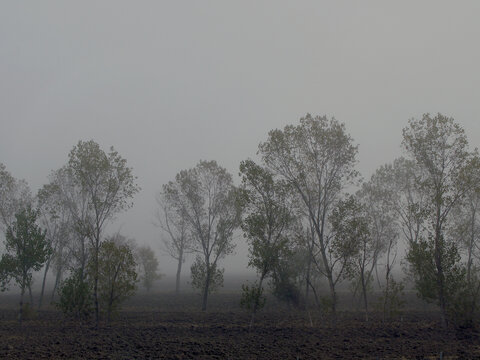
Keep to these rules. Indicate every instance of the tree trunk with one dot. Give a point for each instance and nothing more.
(179, 271)
(57, 281)
(30, 294)
(333, 296)
(47, 266)
(364, 290)
(254, 309)
(95, 285)
(205, 289)
(20, 314)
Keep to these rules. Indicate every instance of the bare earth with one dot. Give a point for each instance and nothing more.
(190, 334)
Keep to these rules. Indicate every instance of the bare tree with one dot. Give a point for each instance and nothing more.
(178, 241)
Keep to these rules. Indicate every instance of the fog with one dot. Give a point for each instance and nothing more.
(169, 83)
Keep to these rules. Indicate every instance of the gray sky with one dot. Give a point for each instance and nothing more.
(168, 83)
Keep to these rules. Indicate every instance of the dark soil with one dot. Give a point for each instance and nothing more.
(225, 335)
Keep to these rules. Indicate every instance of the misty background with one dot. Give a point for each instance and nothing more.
(170, 83)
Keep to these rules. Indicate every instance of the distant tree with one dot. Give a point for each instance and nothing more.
(107, 184)
(56, 220)
(26, 250)
(148, 265)
(440, 149)
(178, 242)
(266, 227)
(382, 211)
(208, 202)
(316, 158)
(14, 196)
(116, 275)
(72, 253)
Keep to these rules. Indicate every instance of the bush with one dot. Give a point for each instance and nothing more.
(76, 299)
(252, 297)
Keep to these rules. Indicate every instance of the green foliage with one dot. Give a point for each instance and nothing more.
(352, 242)
(116, 275)
(26, 249)
(252, 297)
(421, 256)
(76, 297)
(199, 276)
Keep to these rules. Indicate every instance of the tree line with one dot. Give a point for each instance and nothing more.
(310, 220)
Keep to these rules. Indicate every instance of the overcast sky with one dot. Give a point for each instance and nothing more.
(168, 83)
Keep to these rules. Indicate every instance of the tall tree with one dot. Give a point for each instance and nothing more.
(316, 158)
(26, 250)
(108, 185)
(208, 202)
(439, 147)
(268, 219)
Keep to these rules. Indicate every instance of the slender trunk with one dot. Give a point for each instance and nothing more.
(438, 253)
(20, 314)
(206, 288)
(30, 294)
(387, 286)
(333, 297)
(179, 271)
(254, 309)
(95, 284)
(364, 291)
(315, 295)
(47, 266)
(58, 277)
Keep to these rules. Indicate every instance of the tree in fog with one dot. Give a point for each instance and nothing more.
(266, 225)
(439, 147)
(207, 201)
(148, 265)
(14, 196)
(26, 250)
(376, 196)
(466, 230)
(353, 244)
(316, 158)
(116, 275)
(178, 241)
(72, 254)
(56, 220)
(108, 185)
